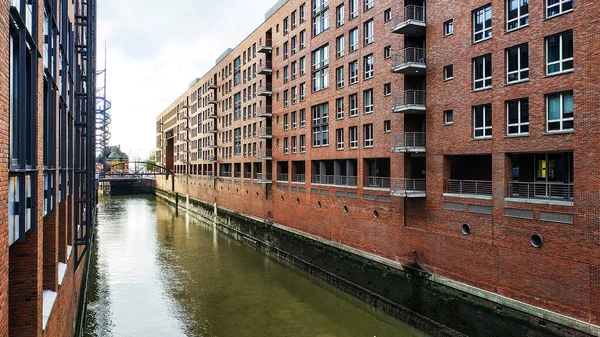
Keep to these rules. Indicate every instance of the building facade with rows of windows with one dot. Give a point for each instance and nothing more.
(457, 138)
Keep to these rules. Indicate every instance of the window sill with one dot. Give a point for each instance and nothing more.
(557, 15)
(480, 90)
(448, 35)
(482, 40)
(508, 84)
(553, 133)
(368, 147)
(564, 72)
(516, 29)
(448, 79)
(447, 124)
(521, 135)
(482, 138)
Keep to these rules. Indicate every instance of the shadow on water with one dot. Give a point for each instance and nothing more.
(158, 274)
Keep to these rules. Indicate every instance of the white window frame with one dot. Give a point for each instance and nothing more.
(340, 15)
(353, 40)
(353, 75)
(339, 138)
(339, 108)
(368, 66)
(519, 71)
(387, 52)
(294, 145)
(302, 118)
(369, 4)
(302, 143)
(387, 126)
(353, 9)
(449, 27)
(562, 119)
(368, 135)
(302, 92)
(340, 45)
(353, 105)
(387, 15)
(369, 31)
(559, 4)
(519, 124)
(353, 137)
(518, 18)
(387, 92)
(482, 11)
(294, 95)
(446, 76)
(302, 65)
(286, 148)
(302, 37)
(368, 103)
(484, 128)
(339, 79)
(447, 120)
(485, 77)
(561, 59)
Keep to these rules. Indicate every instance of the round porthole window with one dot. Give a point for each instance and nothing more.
(466, 229)
(319, 204)
(537, 241)
(345, 208)
(375, 214)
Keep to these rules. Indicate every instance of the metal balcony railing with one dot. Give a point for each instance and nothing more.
(407, 187)
(299, 178)
(264, 90)
(264, 67)
(265, 46)
(247, 175)
(210, 174)
(335, 180)
(411, 13)
(263, 177)
(264, 111)
(535, 190)
(265, 132)
(472, 187)
(410, 55)
(265, 154)
(409, 99)
(283, 177)
(377, 182)
(226, 174)
(408, 141)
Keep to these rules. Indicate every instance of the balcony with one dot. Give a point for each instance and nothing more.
(263, 178)
(213, 115)
(351, 181)
(408, 142)
(299, 178)
(265, 154)
(283, 177)
(411, 61)
(408, 188)
(477, 189)
(409, 102)
(264, 111)
(212, 101)
(212, 129)
(377, 182)
(264, 90)
(264, 48)
(540, 191)
(212, 86)
(264, 68)
(412, 22)
(210, 146)
(265, 132)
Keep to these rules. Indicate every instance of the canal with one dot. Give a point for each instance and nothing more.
(155, 273)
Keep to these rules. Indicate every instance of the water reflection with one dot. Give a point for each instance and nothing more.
(158, 274)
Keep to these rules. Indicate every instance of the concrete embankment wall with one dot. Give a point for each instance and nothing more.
(432, 304)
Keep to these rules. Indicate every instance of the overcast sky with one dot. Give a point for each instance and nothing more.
(156, 48)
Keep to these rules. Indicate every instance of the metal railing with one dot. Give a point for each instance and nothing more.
(247, 175)
(377, 182)
(225, 174)
(410, 55)
(265, 153)
(237, 174)
(264, 111)
(335, 180)
(265, 131)
(411, 12)
(263, 89)
(531, 190)
(262, 177)
(474, 187)
(299, 178)
(409, 140)
(407, 186)
(410, 98)
(283, 177)
(262, 67)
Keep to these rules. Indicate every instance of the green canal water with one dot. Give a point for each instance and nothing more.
(155, 273)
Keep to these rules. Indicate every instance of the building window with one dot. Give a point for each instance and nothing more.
(387, 15)
(368, 62)
(285, 50)
(339, 139)
(294, 145)
(353, 69)
(286, 148)
(320, 125)
(340, 46)
(285, 26)
(368, 101)
(353, 103)
(482, 23)
(321, 16)
(517, 116)
(559, 53)
(482, 121)
(302, 39)
(353, 9)
(339, 14)
(294, 120)
(517, 14)
(387, 126)
(369, 31)
(293, 43)
(340, 77)
(302, 92)
(482, 72)
(302, 13)
(302, 62)
(354, 39)
(302, 143)
(387, 52)
(387, 89)
(448, 27)
(448, 117)
(321, 68)
(302, 118)
(556, 7)
(353, 135)
(369, 4)
(368, 135)
(286, 74)
(517, 64)
(448, 72)
(294, 70)
(560, 111)
(294, 95)
(339, 107)
(286, 99)
(294, 21)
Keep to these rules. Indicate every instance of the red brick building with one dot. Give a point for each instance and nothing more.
(47, 113)
(457, 137)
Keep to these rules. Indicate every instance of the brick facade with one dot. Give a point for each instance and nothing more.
(472, 237)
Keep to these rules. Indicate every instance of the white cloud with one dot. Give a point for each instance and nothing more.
(155, 51)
